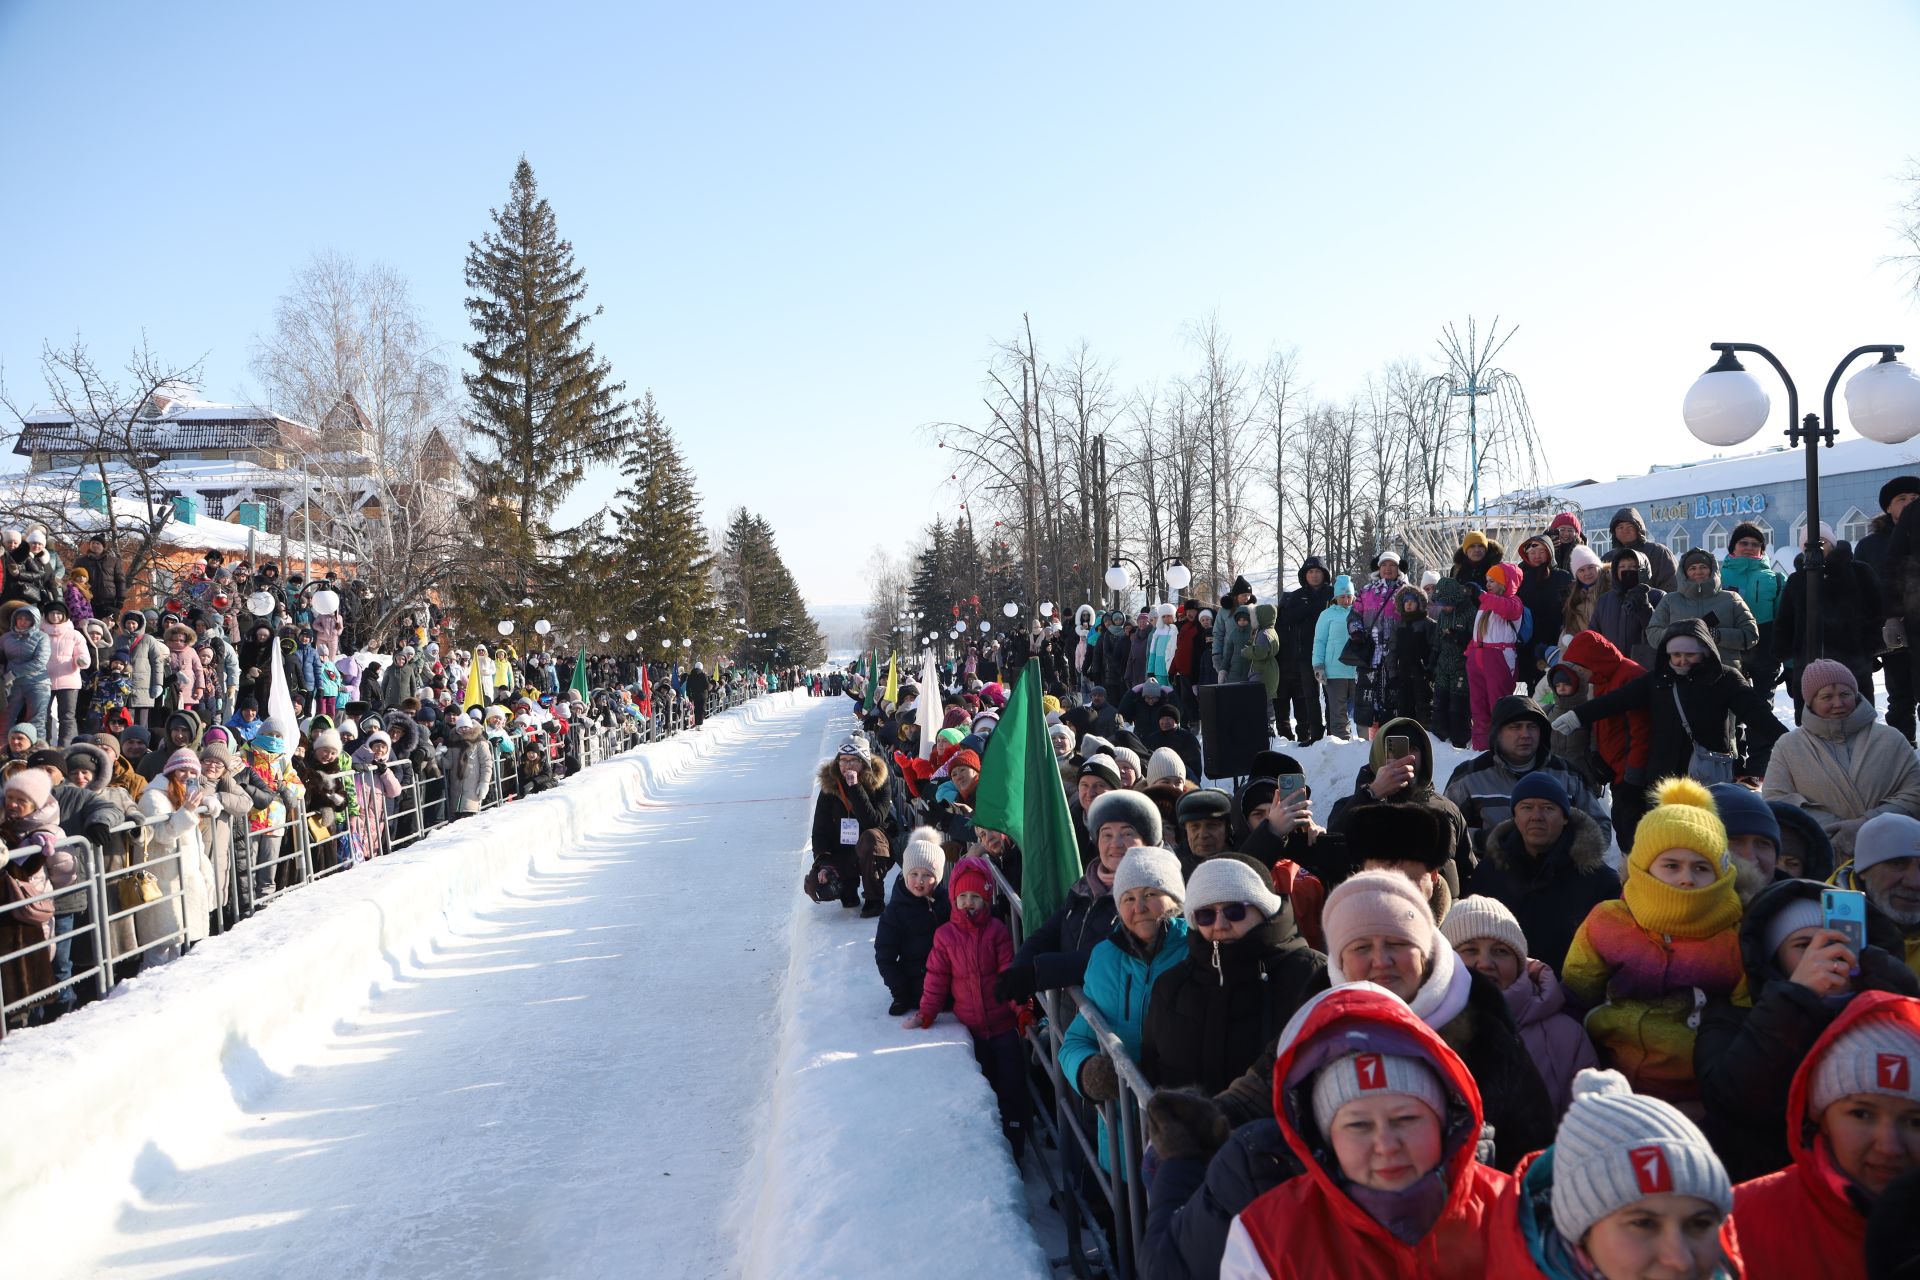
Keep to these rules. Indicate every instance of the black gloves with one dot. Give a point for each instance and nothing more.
(1185, 1126)
(1016, 984)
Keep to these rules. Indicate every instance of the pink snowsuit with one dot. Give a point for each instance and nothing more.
(968, 955)
(1490, 655)
(326, 634)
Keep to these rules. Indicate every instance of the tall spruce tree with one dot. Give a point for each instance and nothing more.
(658, 557)
(759, 588)
(543, 405)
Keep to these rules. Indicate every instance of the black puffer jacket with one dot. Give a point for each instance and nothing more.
(868, 804)
(1550, 896)
(1300, 611)
(1058, 949)
(1622, 612)
(1543, 591)
(1192, 1203)
(904, 939)
(1851, 610)
(1214, 1016)
(1709, 693)
(1745, 1058)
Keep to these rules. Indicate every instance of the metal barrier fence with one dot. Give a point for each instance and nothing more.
(1104, 1232)
(135, 898)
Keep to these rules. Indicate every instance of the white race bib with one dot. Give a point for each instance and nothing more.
(849, 831)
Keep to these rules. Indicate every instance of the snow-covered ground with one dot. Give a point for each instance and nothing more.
(597, 1033)
(883, 1154)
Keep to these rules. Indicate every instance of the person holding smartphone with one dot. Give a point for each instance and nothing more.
(1801, 974)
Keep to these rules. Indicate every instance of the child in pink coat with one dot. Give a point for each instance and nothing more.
(1488, 938)
(970, 952)
(1490, 654)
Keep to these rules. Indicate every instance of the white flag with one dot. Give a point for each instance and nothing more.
(279, 711)
(930, 714)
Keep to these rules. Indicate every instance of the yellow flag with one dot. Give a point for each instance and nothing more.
(475, 697)
(893, 680)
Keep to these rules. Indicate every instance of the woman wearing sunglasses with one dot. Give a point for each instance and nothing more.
(1247, 970)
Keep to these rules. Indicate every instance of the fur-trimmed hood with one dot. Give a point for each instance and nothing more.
(873, 775)
(1582, 845)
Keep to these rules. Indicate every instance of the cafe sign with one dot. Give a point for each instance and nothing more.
(1710, 506)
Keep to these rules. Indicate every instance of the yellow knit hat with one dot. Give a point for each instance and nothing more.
(1684, 818)
(1050, 705)
(1474, 538)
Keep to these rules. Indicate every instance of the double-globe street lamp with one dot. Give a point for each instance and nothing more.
(1177, 574)
(1727, 406)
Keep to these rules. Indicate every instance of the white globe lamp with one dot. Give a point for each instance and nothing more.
(505, 627)
(1883, 401)
(1726, 405)
(1178, 575)
(1116, 576)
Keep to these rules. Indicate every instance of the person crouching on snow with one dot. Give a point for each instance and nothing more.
(970, 951)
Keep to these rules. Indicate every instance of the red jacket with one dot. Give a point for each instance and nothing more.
(967, 956)
(1511, 1257)
(1307, 1226)
(1185, 645)
(1622, 741)
(1798, 1222)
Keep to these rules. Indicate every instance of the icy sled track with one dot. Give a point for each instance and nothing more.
(541, 1044)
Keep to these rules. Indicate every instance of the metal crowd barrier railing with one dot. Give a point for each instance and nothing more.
(1120, 1194)
(116, 878)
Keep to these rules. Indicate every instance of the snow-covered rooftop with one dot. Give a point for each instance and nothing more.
(173, 419)
(1747, 471)
(22, 493)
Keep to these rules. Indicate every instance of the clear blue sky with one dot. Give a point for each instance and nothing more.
(807, 223)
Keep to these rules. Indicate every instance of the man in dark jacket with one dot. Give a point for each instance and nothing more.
(699, 684)
(107, 575)
(1745, 1057)
(851, 817)
(1548, 864)
(1851, 616)
(1522, 743)
(1629, 530)
(1300, 611)
(1403, 780)
(1896, 495)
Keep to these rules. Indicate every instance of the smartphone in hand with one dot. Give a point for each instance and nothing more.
(1845, 912)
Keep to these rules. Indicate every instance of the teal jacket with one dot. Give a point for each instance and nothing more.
(1117, 984)
(1329, 638)
(1757, 581)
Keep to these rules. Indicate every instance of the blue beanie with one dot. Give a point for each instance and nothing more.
(1541, 785)
(1342, 586)
(1744, 813)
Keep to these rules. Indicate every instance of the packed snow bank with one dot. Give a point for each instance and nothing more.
(882, 1152)
(177, 1056)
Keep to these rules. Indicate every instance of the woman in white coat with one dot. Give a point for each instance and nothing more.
(174, 806)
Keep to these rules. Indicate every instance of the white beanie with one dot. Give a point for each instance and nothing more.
(923, 850)
(1477, 916)
(1616, 1146)
(1581, 556)
(1429, 579)
(1129, 757)
(1150, 867)
(1801, 913)
(1166, 763)
(1228, 878)
(1361, 1075)
(1875, 1056)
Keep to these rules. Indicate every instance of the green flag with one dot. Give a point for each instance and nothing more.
(1020, 794)
(873, 682)
(579, 684)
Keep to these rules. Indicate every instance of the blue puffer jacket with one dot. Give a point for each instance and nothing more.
(26, 651)
(1117, 984)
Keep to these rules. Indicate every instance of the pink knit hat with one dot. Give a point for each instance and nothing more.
(1822, 672)
(1375, 903)
(184, 758)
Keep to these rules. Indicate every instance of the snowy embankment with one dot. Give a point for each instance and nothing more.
(110, 1097)
(881, 1151)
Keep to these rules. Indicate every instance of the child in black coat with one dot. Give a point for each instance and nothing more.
(914, 911)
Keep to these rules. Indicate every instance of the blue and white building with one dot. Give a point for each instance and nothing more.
(1698, 504)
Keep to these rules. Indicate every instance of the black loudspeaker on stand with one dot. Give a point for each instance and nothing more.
(1233, 727)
